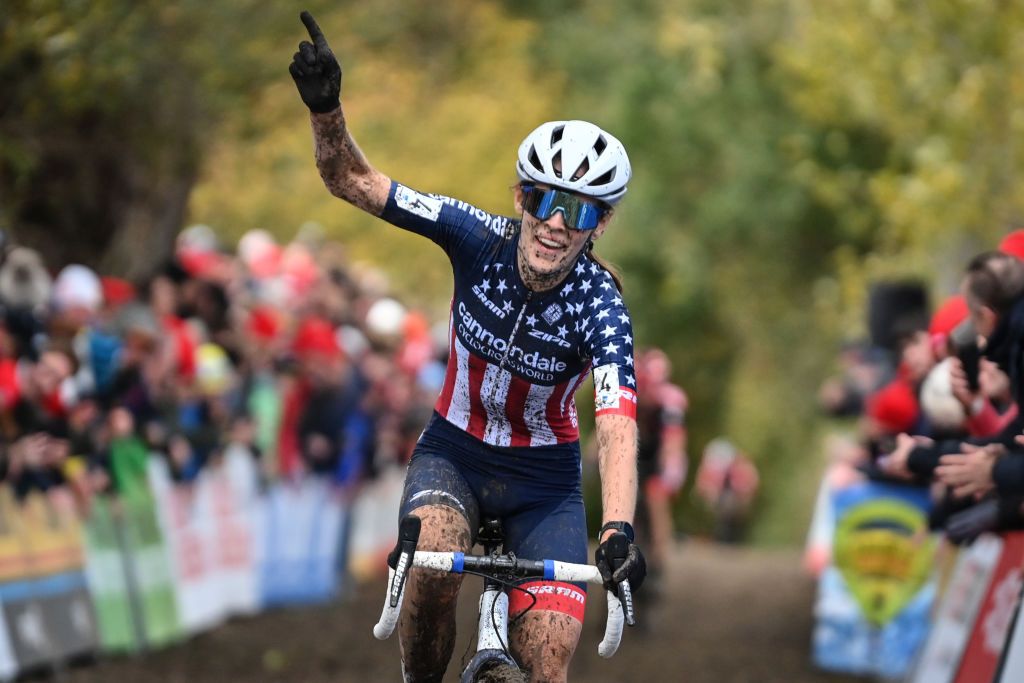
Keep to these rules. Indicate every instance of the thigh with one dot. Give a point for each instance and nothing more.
(432, 481)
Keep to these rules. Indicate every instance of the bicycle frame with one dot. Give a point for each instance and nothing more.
(493, 607)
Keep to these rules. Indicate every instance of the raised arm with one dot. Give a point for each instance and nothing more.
(344, 169)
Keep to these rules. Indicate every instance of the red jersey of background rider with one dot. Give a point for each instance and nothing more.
(518, 356)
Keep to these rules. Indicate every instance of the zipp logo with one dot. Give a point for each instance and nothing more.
(544, 336)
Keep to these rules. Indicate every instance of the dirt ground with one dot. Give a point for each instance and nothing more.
(724, 615)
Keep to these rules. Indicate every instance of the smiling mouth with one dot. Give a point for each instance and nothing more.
(550, 244)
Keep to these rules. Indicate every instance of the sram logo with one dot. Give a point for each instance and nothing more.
(544, 336)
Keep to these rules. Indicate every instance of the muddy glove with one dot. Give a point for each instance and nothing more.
(618, 558)
(316, 72)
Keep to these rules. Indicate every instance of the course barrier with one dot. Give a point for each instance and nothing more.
(162, 561)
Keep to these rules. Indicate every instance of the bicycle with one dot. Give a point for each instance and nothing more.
(492, 660)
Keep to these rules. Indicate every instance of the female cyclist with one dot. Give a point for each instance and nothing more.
(533, 311)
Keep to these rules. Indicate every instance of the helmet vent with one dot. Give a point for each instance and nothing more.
(556, 164)
(556, 134)
(600, 144)
(535, 160)
(604, 178)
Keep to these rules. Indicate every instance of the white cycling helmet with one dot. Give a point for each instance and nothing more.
(575, 146)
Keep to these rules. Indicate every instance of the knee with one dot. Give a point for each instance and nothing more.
(545, 644)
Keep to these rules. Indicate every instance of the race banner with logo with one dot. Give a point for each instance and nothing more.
(14, 567)
(149, 575)
(301, 526)
(375, 525)
(1013, 664)
(875, 598)
(958, 610)
(187, 526)
(108, 584)
(48, 612)
(998, 607)
(234, 489)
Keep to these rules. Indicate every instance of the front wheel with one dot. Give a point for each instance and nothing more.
(502, 673)
(493, 666)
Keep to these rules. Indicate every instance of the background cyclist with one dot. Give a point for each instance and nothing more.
(533, 311)
(661, 458)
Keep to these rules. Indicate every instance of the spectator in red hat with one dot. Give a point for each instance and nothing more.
(325, 398)
(1013, 244)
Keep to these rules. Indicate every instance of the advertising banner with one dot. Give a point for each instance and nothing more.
(991, 627)
(875, 597)
(187, 526)
(301, 525)
(108, 584)
(958, 611)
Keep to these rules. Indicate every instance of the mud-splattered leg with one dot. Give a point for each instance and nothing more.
(544, 641)
(427, 624)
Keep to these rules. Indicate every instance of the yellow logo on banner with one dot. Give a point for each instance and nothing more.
(884, 552)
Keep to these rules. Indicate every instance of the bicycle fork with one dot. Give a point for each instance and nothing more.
(492, 626)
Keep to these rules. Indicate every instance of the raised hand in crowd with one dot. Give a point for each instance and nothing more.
(970, 473)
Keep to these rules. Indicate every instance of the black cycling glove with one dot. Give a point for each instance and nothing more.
(316, 72)
(618, 558)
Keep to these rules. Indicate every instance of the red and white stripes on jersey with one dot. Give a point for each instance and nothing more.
(501, 409)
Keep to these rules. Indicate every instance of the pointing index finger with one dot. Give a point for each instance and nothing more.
(314, 31)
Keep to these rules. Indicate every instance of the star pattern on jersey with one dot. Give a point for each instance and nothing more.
(567, 289)
(531, 320)
(630, 380)
(562, 331)
(613, 344)
(585, 286)
(581, 268)
(485, 286)
(594, 269)
(606, 285)
(507, 307)
(501, 286)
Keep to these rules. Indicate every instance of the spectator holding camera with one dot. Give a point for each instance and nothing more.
(993, 288)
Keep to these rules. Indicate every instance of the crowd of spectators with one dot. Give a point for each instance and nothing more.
(286, 349)
(937, 395)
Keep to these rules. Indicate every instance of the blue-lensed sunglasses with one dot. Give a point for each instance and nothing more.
(579, 213)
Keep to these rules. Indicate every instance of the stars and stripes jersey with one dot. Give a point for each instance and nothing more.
(517, 357)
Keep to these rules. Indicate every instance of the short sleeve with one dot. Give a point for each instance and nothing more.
(608, 341)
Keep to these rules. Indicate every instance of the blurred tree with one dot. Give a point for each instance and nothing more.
(943, 83)
(107, 110)
(438, 96)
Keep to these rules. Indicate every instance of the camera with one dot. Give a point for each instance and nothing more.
(963, 342)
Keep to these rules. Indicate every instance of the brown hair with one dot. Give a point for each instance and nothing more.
(612, 270)
(995, 280)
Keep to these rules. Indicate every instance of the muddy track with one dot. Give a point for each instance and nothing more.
(723, 615)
